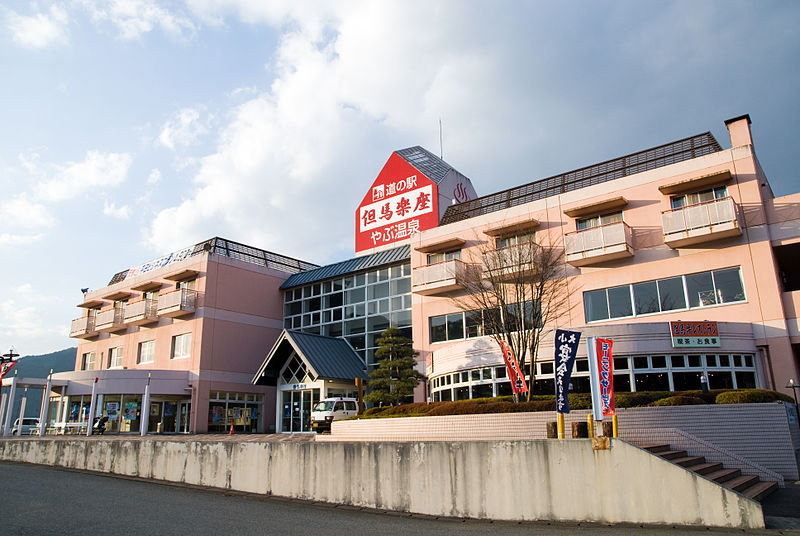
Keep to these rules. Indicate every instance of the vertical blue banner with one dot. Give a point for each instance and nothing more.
(566, 344)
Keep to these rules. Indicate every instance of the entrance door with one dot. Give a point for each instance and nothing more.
(296, 409)
(184, 410)
(169, 419)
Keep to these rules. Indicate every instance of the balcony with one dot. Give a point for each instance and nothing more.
(111, 320)
(509, 262)
(142, 312)
(177, 303)
(598, 244)
(83, 328)
(439, 278)
(702, 222)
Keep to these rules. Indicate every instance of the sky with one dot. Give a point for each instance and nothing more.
(133, 128)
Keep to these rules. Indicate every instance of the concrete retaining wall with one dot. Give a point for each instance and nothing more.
(757, 433)
(511, 480)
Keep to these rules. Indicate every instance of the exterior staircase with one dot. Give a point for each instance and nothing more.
(748, 485)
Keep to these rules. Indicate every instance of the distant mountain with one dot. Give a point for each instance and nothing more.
(37, 366)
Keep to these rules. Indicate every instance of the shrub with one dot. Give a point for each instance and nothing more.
(679, 400)
(751, 396)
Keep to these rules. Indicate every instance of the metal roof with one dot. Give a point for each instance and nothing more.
(428, 163)
(656, 157)
(325, 357)
(357, 264)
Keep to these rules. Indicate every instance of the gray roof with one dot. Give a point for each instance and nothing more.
(326, 357)
(428, 163)
(382, 258)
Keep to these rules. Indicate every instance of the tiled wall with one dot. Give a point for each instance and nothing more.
(753, 437)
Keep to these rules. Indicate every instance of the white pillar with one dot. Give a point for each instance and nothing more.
(3, 398)
(92, 401)
(61, 406)
(10, 407)
(145, 419)
(45, 405)
(22, 404)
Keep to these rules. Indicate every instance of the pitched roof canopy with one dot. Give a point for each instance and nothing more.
(326, 357)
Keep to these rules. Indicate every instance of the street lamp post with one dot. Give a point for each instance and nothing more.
(794, 387)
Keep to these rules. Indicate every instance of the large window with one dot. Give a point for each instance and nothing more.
(115, 357)
(694, 198)
(434, 258)
(674, 293)
(147, 352)
(515, 239)
(478, 323)
(181, 346)
(358, 307)
(87, 361)
(597, 221)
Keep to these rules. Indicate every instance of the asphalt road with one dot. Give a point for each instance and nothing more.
(39, 500)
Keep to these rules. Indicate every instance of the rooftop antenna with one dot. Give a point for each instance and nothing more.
(441, 152)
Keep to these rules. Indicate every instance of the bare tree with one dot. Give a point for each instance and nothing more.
(518, 289)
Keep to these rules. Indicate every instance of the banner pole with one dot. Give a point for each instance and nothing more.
(560, 420)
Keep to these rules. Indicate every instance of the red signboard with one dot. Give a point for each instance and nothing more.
(402, 201)
(515, 375)
(605, 376)
(705, 333)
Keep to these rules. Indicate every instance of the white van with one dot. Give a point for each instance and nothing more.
(332, 409)
(30, 425)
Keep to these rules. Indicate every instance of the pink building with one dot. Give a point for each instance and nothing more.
(185, 331)
(682, 232)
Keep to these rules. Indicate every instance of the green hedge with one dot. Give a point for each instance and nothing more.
(751, 396)
(505, 404)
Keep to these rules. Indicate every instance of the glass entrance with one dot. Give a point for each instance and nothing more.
(296, 409)
(184, 410)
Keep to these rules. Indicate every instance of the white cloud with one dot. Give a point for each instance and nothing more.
(39, 30)
(9, 239)
(21, 321)
(182, 129)
(21, 212)
(154, 176)
(111, 210)
(75, 178)
(24, 288)
(133, 18)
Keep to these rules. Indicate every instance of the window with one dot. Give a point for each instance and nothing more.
(597, 221)
(188, 284)
(478, 323)
(87, 361)
(515, 239)
(702, 289)
(147, 352)
(115, 357)
(181, 346)
(694, 198)
(433, 258)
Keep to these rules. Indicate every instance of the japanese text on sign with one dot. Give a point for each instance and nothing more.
(605, 371)
(694, 334)
(566, 343)
(397, 208)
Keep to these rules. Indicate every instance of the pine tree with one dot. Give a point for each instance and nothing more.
(395, 378)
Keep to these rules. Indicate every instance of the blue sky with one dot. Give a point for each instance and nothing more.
(129, 129)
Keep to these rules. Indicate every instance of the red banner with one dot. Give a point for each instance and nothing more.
(605, 372)
(514, 373)
(6, 367)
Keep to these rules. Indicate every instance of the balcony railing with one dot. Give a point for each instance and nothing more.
(510, 260)
(598, 244)
(438, 278)
(142, 312)
(718, 218)
(83, 327)
(177, 303)
(111, 320)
